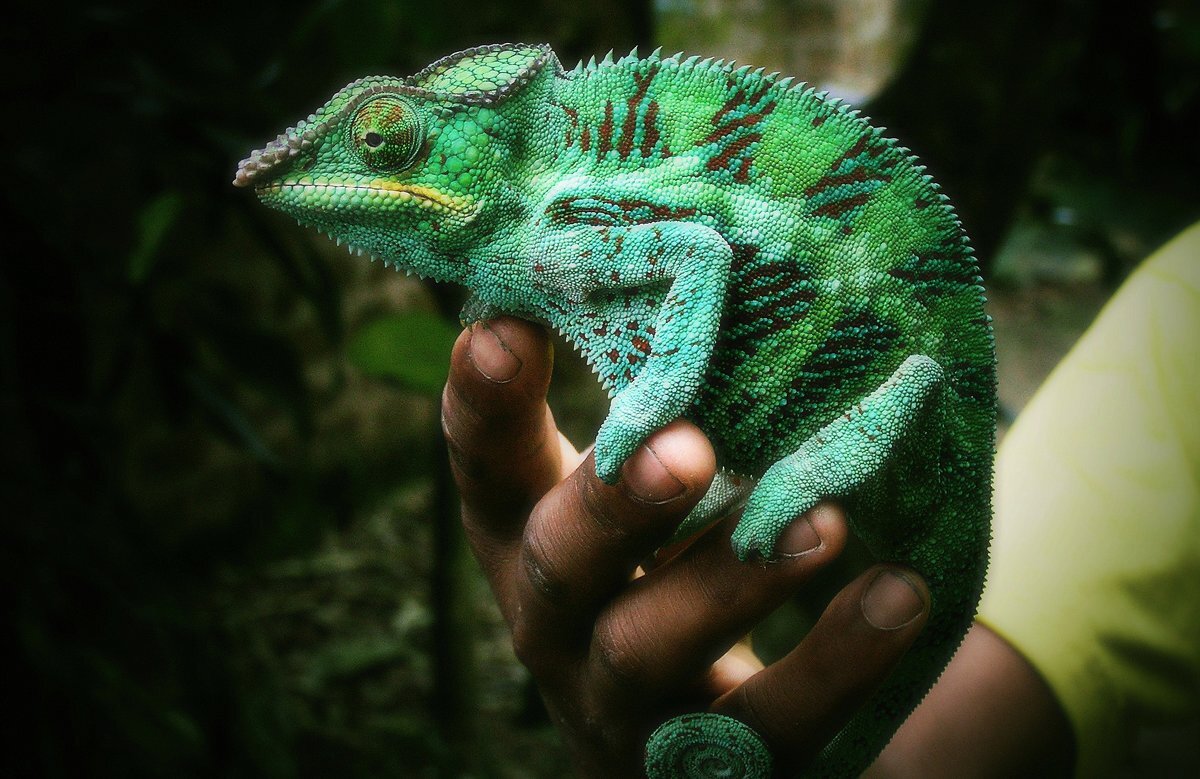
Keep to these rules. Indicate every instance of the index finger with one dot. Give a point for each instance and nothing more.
(504, 448)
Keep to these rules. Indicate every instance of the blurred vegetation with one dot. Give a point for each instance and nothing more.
(229, 535)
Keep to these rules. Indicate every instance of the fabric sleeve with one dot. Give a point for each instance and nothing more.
(1095, 573)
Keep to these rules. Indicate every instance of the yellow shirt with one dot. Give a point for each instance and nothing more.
(1095, 573)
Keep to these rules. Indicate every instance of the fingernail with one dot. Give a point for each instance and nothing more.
(491, 356)
(648, 480)
(891, 601)
(799, 538)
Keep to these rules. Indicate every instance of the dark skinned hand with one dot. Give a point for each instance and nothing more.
(615, 651)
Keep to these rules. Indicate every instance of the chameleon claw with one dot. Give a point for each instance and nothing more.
(614, 446)
(607, 469)
(753, 540)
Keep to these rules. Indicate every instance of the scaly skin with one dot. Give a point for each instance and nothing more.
(720, 245)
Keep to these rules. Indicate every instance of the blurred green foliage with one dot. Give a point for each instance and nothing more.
(411, 347)
(221, 491)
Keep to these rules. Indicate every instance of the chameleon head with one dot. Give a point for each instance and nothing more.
(402, 169)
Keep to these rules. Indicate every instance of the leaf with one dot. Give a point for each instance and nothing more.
(411, 348)
(154, 222)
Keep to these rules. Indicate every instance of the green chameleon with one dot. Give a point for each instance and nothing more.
(720, 245)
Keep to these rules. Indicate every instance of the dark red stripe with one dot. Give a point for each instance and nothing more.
(855, 176)
(629, 125)
(727, 154)
(839, 207)
(650, 130)
(606, 130)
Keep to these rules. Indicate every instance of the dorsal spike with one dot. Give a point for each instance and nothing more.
(633, 53)
(608, 58)
(654, 55)
(592, 63)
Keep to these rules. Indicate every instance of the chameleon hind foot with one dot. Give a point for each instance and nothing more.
(838, 458)
(706, 746)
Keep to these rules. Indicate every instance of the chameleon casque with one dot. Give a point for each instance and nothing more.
(720, 245)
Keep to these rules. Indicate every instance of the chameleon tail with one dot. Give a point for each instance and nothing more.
(706, 746)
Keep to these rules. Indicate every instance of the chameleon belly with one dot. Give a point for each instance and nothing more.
(721, 245)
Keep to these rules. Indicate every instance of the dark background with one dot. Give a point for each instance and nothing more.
(229, 543)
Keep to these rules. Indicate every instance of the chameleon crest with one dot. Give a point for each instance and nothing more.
(720, 244)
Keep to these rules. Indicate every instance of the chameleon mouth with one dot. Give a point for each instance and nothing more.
(341, 195)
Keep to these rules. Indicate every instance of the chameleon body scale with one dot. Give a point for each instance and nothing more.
(720, 244)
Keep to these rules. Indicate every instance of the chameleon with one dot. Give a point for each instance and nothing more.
(720, 244)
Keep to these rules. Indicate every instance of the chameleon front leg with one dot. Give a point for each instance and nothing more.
(838, 458)
(626, 260)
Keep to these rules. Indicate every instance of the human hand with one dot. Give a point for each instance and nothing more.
(614, 655)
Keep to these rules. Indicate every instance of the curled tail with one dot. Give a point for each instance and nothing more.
(706, 746)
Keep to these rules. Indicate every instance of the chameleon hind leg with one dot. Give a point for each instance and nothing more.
(838, 458)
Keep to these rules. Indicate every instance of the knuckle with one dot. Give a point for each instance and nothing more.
(460, 422)
(718, 580)
(518, 431)
(619, 650)
(457, 410)
(540, 571)
(717, 590)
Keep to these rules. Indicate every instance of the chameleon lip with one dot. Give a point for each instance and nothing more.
(422, 197)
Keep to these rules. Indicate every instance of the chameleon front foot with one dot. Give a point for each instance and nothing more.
(706, 746)
(629, 422)
(611, 456)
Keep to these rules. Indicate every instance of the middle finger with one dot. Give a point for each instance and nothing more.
(585, 538)
(670, 626)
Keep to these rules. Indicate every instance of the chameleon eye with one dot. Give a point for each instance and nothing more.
(387, 133)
